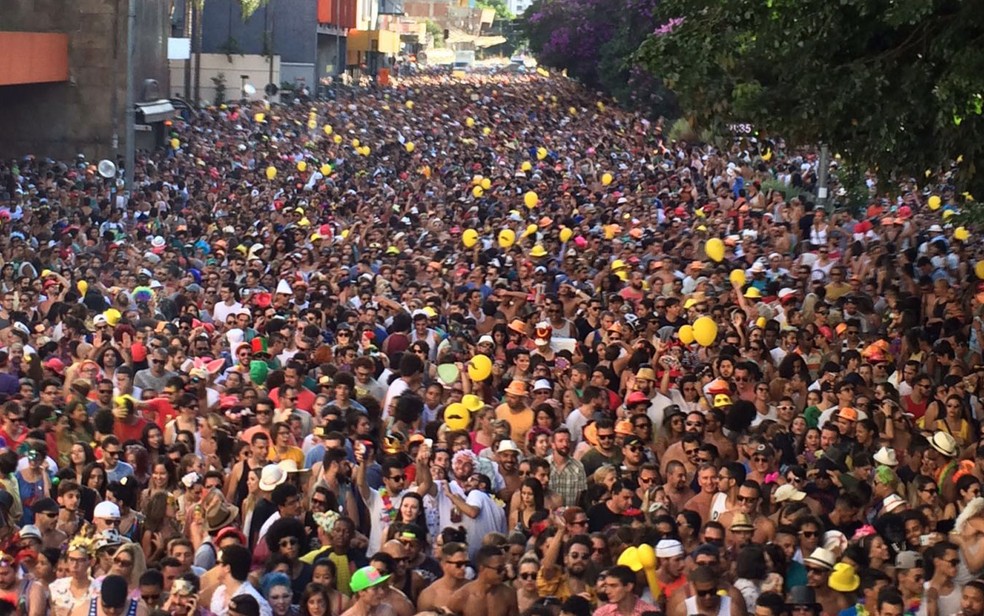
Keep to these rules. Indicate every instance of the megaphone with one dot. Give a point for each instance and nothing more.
(107, 168)
(249, 89)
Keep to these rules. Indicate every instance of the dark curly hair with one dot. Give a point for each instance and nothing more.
(285, 527)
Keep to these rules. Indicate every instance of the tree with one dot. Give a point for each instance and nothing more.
(895, 84)
(499, 6)
(595, 41)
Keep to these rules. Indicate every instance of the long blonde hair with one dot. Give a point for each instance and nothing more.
(139, 562)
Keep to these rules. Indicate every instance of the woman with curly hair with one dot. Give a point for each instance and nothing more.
(160, 525)
(286, 538)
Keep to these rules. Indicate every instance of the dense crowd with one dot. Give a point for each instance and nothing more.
(484, 346)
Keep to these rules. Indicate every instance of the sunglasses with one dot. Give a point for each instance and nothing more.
(527, 576)
(288, 542)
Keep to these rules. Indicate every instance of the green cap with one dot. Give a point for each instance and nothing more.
(366, 577)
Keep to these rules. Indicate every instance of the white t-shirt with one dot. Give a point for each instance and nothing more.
(491, 517)
(378, 520)
(221, 311)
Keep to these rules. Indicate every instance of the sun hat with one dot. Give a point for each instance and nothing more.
(886, 456)
(803, 596)
(822, 558)
(742, 523)
(788, 492)
(271, 476)
(844, 578)
(365, 578)
(893, 502)
(107, 511)
(507, 446)
(289, 466)
(221, 515)
(517, 388)
(944, 443)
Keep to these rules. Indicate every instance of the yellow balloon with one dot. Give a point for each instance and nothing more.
(476, 180)
(113, 316)
(175, 144)
(469, 238)
(566, 235)
(531, 199)
(260, 118)
(82, 286)
(737, 277)
(526, 166)
(457, 417)
(356, 143)
(572, 110)
(366, 151)
(530, 230)
(630, 558)
(312, 124)
(705, 331)
(301, 166)
(961, 234)
(714, 249)
(409, 147)
(486, 183)
(409, 104)
(686, 334)
(326, 169)
(541, 153)
(469, 122)
(601, 106)
(979, 270)
(647, 556)
(480, 368)
(935, 202)
(271, 172)
(345, 234)
(477, 192)
(486, 131)
(337, 139)
(507, 237)
(606, 179)
(761, 322)
(328, 129)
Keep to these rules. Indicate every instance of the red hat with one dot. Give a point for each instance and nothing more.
(636, 397)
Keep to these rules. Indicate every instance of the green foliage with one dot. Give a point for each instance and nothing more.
(219, 81)
(499, 6)
(681, 130)
(895, 84)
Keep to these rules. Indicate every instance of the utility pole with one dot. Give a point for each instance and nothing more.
(339, 67)
(196, 41)
(822, 176)
(131, 103)
(189, 32)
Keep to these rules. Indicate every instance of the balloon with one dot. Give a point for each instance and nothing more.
(606, 179)
(647, 556)
(480, 368)
(961, 234)
(365, 151)
(325, 169)
(113, 316)
(409, 147)
(714, 248)
(337, 139)
(541, 153)
(705, 331)
(312, 124)
(601, 106)
(630, 558)
(566, 235)
(271, 172)
(686, 334)
(82, 286)
(328, 129)
(477, 192)
(301, 166)
(979, 270)
(448, 373)
(531, 199)
(409, 104)
(572, 110)
(469, 238)
(526, 166)
(457, 417)
(469, 122)
(175, 144)
(737, 277)
(356, 143)
(486, 131)
(507, 237)
(530, 230)
(935, 202)
(761, 322)
(259, 118)
(486, 183)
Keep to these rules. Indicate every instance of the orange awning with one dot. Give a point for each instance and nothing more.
(33, 57)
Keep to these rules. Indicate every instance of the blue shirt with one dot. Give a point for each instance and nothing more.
(121, 470)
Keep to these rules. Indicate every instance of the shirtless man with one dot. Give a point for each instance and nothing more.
(393, 597)
(748, 498)
(454, 561)
(487, 595)
(369, 592)
(112, 598)
(411, 587)
(703, 598)
(708, 556)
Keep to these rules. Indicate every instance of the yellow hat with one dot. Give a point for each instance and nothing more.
(392, 250)
(722, 400)
(538, 251)
(753, 293)
(618, 264)
(844, 578)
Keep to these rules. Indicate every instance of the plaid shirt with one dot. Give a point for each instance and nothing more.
(568, 481)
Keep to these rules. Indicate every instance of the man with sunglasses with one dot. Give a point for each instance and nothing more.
(604, 450)
(454, 565)
(115, 468)
(487, 595)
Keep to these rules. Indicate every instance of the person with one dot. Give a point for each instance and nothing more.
(454, 564)
(622, 600)
(78, 587)
(705, 598)
(487, 595)
(234, 563)
(112, 599)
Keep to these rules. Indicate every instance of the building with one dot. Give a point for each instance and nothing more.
(518, 7)
(63, 76)
(308, 37)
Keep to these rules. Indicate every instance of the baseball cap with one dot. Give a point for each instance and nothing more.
(908, 560)
(365, 578)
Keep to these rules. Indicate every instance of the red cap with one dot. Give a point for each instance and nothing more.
(636, 397)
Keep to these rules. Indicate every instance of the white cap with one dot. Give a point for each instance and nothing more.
(272, 476)
(541, 384)
(107, 511)
(30, 530)
(668, 548)
(284, 288)
(886, 456)
(486, 339)
(508, 445)
(787, 492)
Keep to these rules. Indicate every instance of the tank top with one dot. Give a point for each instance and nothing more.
(723, 610)
(132, 611)
(718, 505)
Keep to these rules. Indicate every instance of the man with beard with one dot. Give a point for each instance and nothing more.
(567, 476)
(971, 599)
(593, 401)
(516, 411)
(335, 536)
(613, 511)
(507, 456)
(487, 595)
(748, 498)
(686, 450)
(570, 579)
(604, 452)
(336, 476)
(381, 503)
(677, 487)
(454, 563)
(478, 513)
(183, 598)
(705, 598)
(645, 383)
(707, 480)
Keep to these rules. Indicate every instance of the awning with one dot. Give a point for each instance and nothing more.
(155, 111)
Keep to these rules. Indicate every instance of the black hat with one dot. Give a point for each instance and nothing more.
(46, 505)
(803, 595)
(245, 605)
(114, 591)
